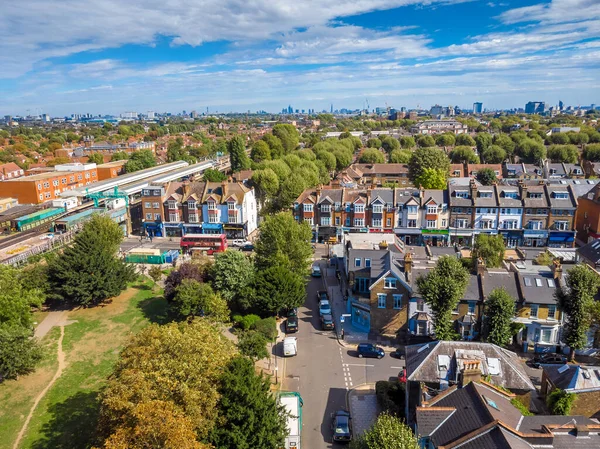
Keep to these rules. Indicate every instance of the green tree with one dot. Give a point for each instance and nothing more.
(155, 274)
(343, 158)
(231, 273)
(486, 176)
(465, 139)
(483, 141)
(88, 272)
(445, 140)
(288, 135)
(494, 154)
(213, 175)
(249, 414)
(119, 156)
(237, 154)
(253, 345)
(277, 288)
(389, 144)
(499, 313)
(266, 182)
(490, 248)
(275, 145)
(576, 301)
(506, 143)
(423, 158)
(532, 151)
(291, 188)
(400, 156)
(560, 139)
(19, 352)
(560, 402)
(425, 141)
(462, 154)
(563, 153)
(442, 289)
(179, 363)
(328, 159)
(578, 138)
(284, 242)
(372, 156)
(193, 298)
(388, 432)
(260, 151)
(432, 178)
(592, 152)
(407, 142)
(374, 143)
(198, 270)
(96, 158)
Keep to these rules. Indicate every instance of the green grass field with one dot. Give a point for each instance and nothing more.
(66, 417)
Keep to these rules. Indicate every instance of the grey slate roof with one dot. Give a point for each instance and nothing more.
(386, 195)
(591, 251)
(335, 195)
(431, 418)
(538, 288)
(422, 366)
(486, 202)
(456, 201)
(574, 378)
(439, 196)
(533, 424)
(500, 279)
(402, 196)
(569, 203)
(497, 438)
(472, 292)
(506, 201)
(535, 202)
(516, 169)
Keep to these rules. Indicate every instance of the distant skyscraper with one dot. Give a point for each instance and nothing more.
(477, 108)
(290, 109)
(561, 105)
(332, 108)
(535, 107)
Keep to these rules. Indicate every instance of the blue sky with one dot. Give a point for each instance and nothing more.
(110, 56)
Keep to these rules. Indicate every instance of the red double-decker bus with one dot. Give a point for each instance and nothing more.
(206, 243)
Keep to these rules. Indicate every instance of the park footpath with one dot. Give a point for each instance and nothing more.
(361, 400)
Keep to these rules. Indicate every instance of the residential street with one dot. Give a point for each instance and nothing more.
(323, 372)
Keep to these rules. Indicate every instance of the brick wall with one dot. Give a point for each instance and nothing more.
(388, 321)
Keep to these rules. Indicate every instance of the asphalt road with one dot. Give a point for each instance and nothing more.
(323, 371)
(163, 243)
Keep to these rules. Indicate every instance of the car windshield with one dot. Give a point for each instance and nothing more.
(342, 425)
(292, 320)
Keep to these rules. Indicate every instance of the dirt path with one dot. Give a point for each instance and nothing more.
(61, 367)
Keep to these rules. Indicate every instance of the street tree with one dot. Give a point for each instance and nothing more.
(371, 156)
(530, 150)
(486, 176)
(400, 156)
(374, 143)
(343, 158)
(180, 363)
(95, 158)
(592, 152)
(277, 288)
(231, 273)
(423, 158)
(506, 143)
(89, 272)
(389, 144)
(563, 153)
(284, 242)
(140, 160)
(253, 344)
(250, 414)
(266, 182)
(463, 154)
(483, 141)
(407, 142)
(275, 145)
(432, 178)
(260, 151)
(465, 139)
(578, 138)
(442, 289)
(499, 314)
(290, 189)
(328, 159)
(490, 248)
(445, 140)
(560, 139)
(193, 298)
(288, 134)
(576, 300)
(425, 141)
(494, 154)
(237, 154)
(213, 175)
(387, 432)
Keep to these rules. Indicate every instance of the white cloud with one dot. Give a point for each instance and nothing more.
(557, 11)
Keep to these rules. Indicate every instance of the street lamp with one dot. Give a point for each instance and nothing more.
(276, 377)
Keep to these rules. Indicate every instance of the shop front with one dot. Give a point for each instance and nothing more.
(435, 237)
(173, 229)
(461, 237)
(212, 228)
(535, 238)
(153, 228)
(192, 228)
(235, 231)
(564, 239)
(409, 236)
(512, 239)
(325, 233)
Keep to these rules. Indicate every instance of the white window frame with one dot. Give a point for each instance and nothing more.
(471, 308)
(431, 224)
(412, 209)
(173, 217)
(230, 205)
(212, 218)
(432, 209)
(377, 222)
(193, 218)
(359, 222)
(149, 217)
(359, 208)
(326, 208)
(212, 205)
(172, 204)
(411, 221)
(325, 221)
(377, 209)
(308, 220)
(147, 205)
(553, 308)
(307, 207)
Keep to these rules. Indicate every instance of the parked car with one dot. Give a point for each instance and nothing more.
(316, 271)
(324, 308)
(290, 346)
(341, 426)
(548, 359)
(322, 295)
(291, 324)
(248, 247)
(239, 242)
(47, 237)
(370, 350)
(327, 322)
(293, 312)
(399, 353)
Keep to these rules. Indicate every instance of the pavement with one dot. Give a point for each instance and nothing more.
(363, 408)
(326, 370)
(162, 243)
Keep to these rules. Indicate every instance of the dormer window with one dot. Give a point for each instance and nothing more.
(462, 194)
(485, 194)
(535, 195)
(510, 194)
(561, 195)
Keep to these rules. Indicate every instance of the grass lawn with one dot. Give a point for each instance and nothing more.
(66, 417)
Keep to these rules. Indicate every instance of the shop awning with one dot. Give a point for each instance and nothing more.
(562, 237)
(212, 226)
(434, 232)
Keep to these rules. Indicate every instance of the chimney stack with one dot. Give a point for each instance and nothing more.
(319, 191)
(557, 269)
(224, 188)
(480, 266)
(408, 263)
(471, 372)
(473, 189)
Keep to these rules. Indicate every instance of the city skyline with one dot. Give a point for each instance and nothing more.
(234, 57)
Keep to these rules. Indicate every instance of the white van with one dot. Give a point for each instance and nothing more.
(290, 346)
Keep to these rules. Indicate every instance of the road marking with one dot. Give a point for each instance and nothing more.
(357, 364)
(396, 367)
(350, 379)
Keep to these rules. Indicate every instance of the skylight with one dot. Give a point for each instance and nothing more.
(563, 368)
(527, 282)
(422, 348)
(538, 282)
(492, 403)
(551, 283)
